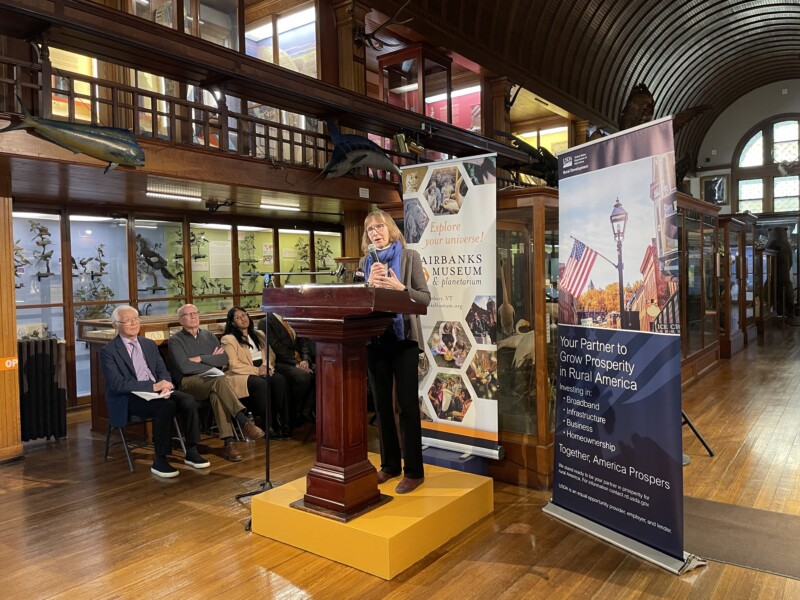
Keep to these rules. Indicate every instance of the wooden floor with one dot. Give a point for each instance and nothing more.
(72, 526)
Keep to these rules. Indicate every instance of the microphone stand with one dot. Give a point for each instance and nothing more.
(267, 484)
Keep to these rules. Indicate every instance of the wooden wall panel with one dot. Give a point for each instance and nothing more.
(10, 433)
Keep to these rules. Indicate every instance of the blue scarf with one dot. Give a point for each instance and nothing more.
(390, 256)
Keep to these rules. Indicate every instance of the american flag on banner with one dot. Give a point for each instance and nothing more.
(577, 270)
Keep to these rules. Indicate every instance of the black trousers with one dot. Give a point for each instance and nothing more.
(258, 396)
(162, 411)
(303, 389)
(389, 363)
(275, 395)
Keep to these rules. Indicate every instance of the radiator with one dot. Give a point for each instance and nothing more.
(42, 388)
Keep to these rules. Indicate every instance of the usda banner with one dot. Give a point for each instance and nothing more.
(449, 218)
(618, 447)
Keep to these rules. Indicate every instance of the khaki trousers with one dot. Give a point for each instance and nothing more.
(220, 394)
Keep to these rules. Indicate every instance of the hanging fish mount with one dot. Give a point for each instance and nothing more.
(110, 144)
(351, 151)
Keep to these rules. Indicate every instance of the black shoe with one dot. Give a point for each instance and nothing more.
(193, 459)
(162, 468)
(285, 435)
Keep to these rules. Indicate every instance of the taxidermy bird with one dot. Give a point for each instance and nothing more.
(638, 109)
(541, 163)
(523, 342)
(109, 144)
(19, 257)
(505, 313)
(352, 151)
(150, 261)
(84, 262)
(153, 259)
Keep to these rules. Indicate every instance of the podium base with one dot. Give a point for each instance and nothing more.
(388, 539)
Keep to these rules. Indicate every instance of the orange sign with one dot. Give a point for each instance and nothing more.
(8, 364)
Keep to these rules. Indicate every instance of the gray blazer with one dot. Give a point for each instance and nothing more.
(413, 277)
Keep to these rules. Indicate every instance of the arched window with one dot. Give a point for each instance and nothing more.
(766, 167)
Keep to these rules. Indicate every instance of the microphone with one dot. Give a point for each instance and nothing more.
(373, 252)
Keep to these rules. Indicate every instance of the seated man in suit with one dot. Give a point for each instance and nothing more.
(192, 352)
(132, 364)
(294, 360)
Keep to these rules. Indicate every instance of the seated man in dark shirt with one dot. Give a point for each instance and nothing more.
(294, 360)
(132, 364)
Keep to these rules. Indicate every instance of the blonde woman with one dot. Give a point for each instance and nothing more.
(392, 357)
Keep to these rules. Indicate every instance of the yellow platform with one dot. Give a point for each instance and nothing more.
(387, 540)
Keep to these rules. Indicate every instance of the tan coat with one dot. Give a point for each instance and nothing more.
(240, 363)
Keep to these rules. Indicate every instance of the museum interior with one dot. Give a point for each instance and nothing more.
(236, 106)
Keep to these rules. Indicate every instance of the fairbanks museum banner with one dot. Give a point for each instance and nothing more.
(618, 446)
(449, 216)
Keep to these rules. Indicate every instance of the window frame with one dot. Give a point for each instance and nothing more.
(766, 171)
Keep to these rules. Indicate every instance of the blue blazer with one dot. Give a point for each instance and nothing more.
(121, 379)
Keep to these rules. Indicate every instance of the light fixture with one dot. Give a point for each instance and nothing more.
(86, 219)
(330, 233)
(210, 226)
(550, 131)
(402, 89)
(297, 231)
(280, 207)
(170, 196)
(456, 93)
(34, 215)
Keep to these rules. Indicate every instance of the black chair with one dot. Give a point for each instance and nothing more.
(134, 420)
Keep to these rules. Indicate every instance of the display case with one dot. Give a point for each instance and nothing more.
(415, 78)
(764, 288)
(697, 230)
(96, 333)
(787, 253)
(737, 320)
(527, 268)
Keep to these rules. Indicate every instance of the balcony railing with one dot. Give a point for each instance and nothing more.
(263, 133)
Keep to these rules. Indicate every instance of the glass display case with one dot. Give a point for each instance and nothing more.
(256, 256)
(210, 246)
(418, 79)
(698, 269)
(779, 232)
(737, 322)
(764, 288)
(527, 238)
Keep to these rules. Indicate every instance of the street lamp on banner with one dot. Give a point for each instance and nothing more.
(619, 219)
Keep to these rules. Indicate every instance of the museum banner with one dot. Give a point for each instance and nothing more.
(449, 216)
(618, 449)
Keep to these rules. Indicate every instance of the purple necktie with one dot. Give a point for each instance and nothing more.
(140, 366)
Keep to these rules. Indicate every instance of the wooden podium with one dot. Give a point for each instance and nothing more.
(341, 319)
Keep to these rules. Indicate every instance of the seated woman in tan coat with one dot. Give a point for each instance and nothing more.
(247, 372)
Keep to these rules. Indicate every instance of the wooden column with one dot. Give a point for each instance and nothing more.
(10, 431)
(353, 230)
(500, 88)
(581, 131)
(352, 61)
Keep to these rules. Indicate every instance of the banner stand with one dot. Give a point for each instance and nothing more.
(669, 563)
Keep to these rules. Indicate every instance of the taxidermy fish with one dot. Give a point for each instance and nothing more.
(352, 151)
(110, 144)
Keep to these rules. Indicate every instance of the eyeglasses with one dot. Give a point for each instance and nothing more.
(130, 321)
(189, 314)
(240, 316)
(376, 227)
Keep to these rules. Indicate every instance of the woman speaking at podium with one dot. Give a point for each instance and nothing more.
(392, 357)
